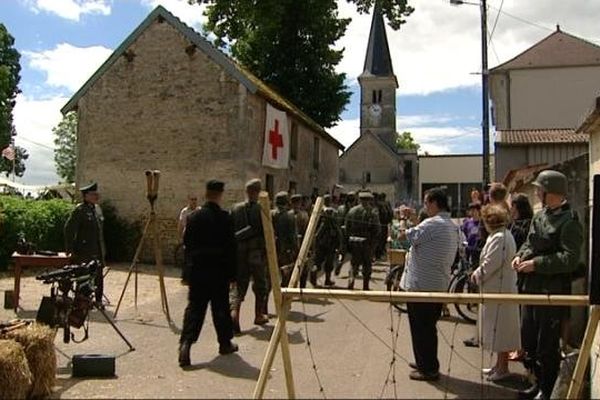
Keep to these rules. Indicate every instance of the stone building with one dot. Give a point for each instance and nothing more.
(539, 98)
(167, 99)
(373, 161)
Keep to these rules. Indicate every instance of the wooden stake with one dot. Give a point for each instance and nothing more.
(160, 267)
(584, 354)
(259, 390)
(269, 234)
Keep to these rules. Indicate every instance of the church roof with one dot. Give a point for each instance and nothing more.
(245, 77)
(381, 142)
(378, 61)
(559, 49)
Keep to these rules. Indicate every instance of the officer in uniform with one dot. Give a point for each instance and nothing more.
(328, 240)
(362, 227)
(286, 236)
(342, 211)
(386, 215)
(251, 260)
(84, 236)
(301, 217)
(211, 249)
(546, 262)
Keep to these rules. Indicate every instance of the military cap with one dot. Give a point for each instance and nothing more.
(92, 187)
(215, 186)
(327, 197)
(254, 184)
(365, 195)
(352, 194)
(281, 197)
(296, 197)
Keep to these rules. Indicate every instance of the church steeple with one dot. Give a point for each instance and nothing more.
(378, 85)
(378, 61)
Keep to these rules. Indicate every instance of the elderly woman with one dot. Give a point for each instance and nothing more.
(499, 322)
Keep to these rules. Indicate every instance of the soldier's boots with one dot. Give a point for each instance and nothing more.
(184, 354)
(228, 348)
(351, 283)
(259, 317)
(235, 319)
(366, 284)
(313, 278)
(328, 281)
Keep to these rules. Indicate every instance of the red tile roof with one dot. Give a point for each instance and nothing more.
(540, 136)
(518, 177)
(559, 49)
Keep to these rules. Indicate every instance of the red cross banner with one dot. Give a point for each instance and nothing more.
(276, 152)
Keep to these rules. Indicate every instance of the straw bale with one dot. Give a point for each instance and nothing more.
(38, 342)
(15, 376)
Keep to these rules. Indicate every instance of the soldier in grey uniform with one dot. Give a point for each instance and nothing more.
(363, 230)
(251, 259)
(546, 262)
(286, 236)
(84, 237)
(328, 240)
(302, 218)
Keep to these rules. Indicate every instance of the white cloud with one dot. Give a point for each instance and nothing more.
(34, 120)
(66, 65)
(440, 46)
(191, 14)
(72, 9)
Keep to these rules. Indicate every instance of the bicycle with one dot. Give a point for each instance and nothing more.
(460, 282)
(392, 280)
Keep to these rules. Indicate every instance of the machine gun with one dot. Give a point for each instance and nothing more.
(71, 299)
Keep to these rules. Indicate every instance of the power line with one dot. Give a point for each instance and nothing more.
(496, 21)
(35, 143)
(523, 20)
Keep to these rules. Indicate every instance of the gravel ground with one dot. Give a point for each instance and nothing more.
(350, 342)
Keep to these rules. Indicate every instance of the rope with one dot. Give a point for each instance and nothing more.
(392, 369)
(309, 347)
(452, 352)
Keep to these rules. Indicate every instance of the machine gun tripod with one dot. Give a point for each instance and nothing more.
(70, 301)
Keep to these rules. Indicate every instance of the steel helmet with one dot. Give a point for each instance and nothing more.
(551, 181)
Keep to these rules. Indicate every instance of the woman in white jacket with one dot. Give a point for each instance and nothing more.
(499, 322)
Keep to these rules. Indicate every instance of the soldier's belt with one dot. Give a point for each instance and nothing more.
(357, 239)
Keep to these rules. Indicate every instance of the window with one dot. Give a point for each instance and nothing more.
(270, 184)
(367, 177)
(379, 93)
(294, 142)
(292, 188)
(374, 97)
(408, 177)
(316, 153)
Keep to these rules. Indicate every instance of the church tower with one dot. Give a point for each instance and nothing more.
(378, 85)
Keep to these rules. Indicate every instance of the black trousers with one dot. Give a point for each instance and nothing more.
(540, 336)
(99, 282)
(198, 298)
(362, 256)
(423, 319)
(324, 257)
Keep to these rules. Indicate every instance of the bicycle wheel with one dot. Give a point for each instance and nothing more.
(469, 311)
(392, 283)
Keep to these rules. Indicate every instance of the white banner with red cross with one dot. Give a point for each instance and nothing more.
(276, 152)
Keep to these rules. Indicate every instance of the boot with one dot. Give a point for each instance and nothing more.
(235, 319)
(328, 281)
(184, 354)
(366, 284)
(350, 283)
(313, 278)
(228, 348)
(259, 317)
(265, 308)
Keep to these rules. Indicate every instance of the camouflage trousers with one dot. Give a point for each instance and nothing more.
(252, 264)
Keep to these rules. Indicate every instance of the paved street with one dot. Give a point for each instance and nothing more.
(351, 361)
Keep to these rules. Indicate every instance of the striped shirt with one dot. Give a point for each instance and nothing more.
(434, 243)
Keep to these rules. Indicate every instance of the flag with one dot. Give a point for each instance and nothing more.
(8, 153)
(276, 151)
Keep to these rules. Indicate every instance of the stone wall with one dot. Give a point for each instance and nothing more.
(182, 114)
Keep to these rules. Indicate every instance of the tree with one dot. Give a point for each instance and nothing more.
(9, 88)
(65, 152)
(289, 44)
(405, 141)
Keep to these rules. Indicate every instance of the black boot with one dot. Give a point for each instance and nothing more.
(351, 284)
(228, 348)
(328, 281)
(529, 393)
(365, 283)
(313, 278)
(184, 354)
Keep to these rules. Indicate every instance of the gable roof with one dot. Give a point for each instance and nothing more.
(378, 62)
(559, 49)
(252, 83)
(540, 136)
(379, 141)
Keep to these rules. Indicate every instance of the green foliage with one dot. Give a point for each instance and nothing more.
(41, 222)
(65, 152)
(395, 11)
(120, 236)
(9, 88)
(405, 141)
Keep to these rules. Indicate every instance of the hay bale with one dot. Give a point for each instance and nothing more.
(38, 342)
(15, 376)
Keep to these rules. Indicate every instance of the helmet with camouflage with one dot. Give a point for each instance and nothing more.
(551, 181)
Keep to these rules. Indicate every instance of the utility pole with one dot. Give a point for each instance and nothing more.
(485, 82)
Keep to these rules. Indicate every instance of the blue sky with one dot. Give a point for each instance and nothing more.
(436, 57)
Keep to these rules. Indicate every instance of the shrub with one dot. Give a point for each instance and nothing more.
(120, 236)
(41, 222)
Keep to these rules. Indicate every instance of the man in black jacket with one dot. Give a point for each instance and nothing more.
(210, 247)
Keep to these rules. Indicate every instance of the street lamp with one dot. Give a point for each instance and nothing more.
(485, 82)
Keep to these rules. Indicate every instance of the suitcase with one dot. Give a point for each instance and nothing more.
(93, 365)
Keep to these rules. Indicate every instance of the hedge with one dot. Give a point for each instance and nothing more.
(42, 223)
